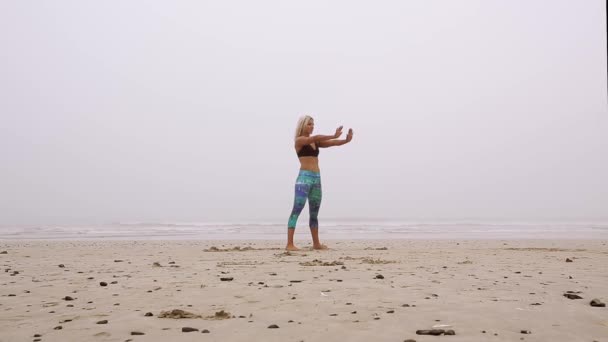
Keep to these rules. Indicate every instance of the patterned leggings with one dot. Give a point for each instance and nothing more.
(308, 186)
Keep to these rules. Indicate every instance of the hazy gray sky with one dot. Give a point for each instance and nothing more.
(185, 110)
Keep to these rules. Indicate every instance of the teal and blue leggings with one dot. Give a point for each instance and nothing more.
(308, 186)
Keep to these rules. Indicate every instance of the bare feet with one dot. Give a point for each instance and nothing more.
(292, 248)
(320, 246)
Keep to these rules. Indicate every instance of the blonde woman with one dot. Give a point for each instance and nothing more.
(308, 183)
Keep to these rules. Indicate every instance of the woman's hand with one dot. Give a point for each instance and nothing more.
(349, 136)
(338, 132)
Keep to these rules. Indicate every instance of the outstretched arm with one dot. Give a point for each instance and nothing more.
(336, 142)
(317, 139)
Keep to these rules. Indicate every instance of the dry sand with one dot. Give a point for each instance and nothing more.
(357, 291)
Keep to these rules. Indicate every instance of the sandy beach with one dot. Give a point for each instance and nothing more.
(379, 290)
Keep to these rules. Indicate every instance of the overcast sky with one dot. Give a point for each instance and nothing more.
(185, 110)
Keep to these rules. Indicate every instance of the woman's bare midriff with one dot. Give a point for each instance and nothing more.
(309, 164)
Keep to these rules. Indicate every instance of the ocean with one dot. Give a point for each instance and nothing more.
(345, 229)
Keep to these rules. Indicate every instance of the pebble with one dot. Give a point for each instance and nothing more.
(525, 332)
(572, 296)
(188, 329)
(434, 332)
(273, 326)
(103, 283)
(68, 298)
(149, 314)
(105, 321)
(597, 303)
(226, 279)
(137, 333)
(379, 276)
(205, 331)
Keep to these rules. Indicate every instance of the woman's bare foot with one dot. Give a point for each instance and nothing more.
(320, 246)
(292, 248)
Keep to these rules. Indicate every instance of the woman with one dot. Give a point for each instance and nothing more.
(308, 183)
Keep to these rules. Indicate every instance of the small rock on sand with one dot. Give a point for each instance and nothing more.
(273, 326)
(434, 332)
(188, 329)
(597, 303)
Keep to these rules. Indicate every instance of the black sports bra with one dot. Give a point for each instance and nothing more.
(308, 151)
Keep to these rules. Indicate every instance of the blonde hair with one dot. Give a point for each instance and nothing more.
(302, 122)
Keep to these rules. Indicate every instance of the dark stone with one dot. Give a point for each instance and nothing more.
(273, 326)
(137, 333)
(379, 276)
(572, 296)
(597, 303)
(105, 321)
(390, 311)
(205, 331)
(434, 332)
(37, 335)
(188, 329)
(59, 327)
(149, 314)
(226, 279)
(103, 283)
(525, 332)
(68, 298)
(450, 332)
(4, 252)
(409, 340)
(61, 265)
(568, 260)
